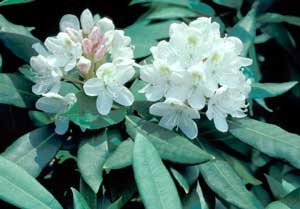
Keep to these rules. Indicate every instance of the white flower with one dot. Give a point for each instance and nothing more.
(48, 75)
(199, 68)
(56, 104)
(65, 50)
(109, 87)
(226, 102)
(176, 114)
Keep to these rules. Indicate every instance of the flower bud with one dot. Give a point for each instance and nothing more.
(84, 65)
(87, 21)
(87, 46)
(96, 36)
(100, 52)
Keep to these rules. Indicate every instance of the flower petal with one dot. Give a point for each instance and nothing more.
(105, 25)
(121, 95)
(69, 21)
(197, 99)
(168, 121)
(61, 124)
(93, 87)
(220, 121)
(153, 92)
(160, 109)
(104, 103)
(87, 21)
(188, 127)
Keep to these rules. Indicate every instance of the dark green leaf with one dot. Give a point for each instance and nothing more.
(22, 190)
(15, 90)
(153, 180)
(121, 157)
(170, 145)
(185, 176)
(236, 4)
(85, 114)
(171, 12)
(92, 153)
(268, 138)
(278, 18)
(88, 194)
(11, 2)
(245, 30)
(28, 73)
(40, 118)
(78, 201)
(222, 179)
(265, 90)
(145, 35)
(34, 150)
(17, 38)
(291, 201)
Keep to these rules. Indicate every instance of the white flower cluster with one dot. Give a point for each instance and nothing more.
(196, 69)
(88, 52)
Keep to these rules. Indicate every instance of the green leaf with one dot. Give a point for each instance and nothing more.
(145, 35)
(88, 194)
(17, 38)
(177, 2)
(276, 187)
(265, 90)
(15, 90)
(11, 2)
(92, 153)
(236, 4)
(121, 157)
(28, 73)
(155, 185)
(34, 150)
(268, 138)
(170, 12)
(22, 190)
(195, 199)
(278, 18)
(185, 176)
(170, 145)
(202, 8)
(40, 118)
(290, 201)
(281, 35)
(78, 201)
(85, 114)
(222, 179)
(245, 30)
(1, 63)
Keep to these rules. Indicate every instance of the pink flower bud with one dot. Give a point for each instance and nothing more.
(87, 45)
(96, 36)
(84, 65)
(100, 52)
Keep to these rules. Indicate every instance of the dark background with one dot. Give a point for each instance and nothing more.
(44, 15)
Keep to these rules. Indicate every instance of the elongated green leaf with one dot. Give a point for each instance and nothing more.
(290, 201)
(170, 145)
(153, 180)
(185, 176)
(40, 118)
(34, 150)
(171, 13)
(145, 35)
(88, 194)
(85, 114)
(269, 139)
(22, 190)
(245, 30)
(236, 4)
(121, 157)
(92, 154)
(17, 38)
(222, 179)
(15, 90)
(11, 2)
(265, 90)
(278, 18)
(281, 35)
(78, 201)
